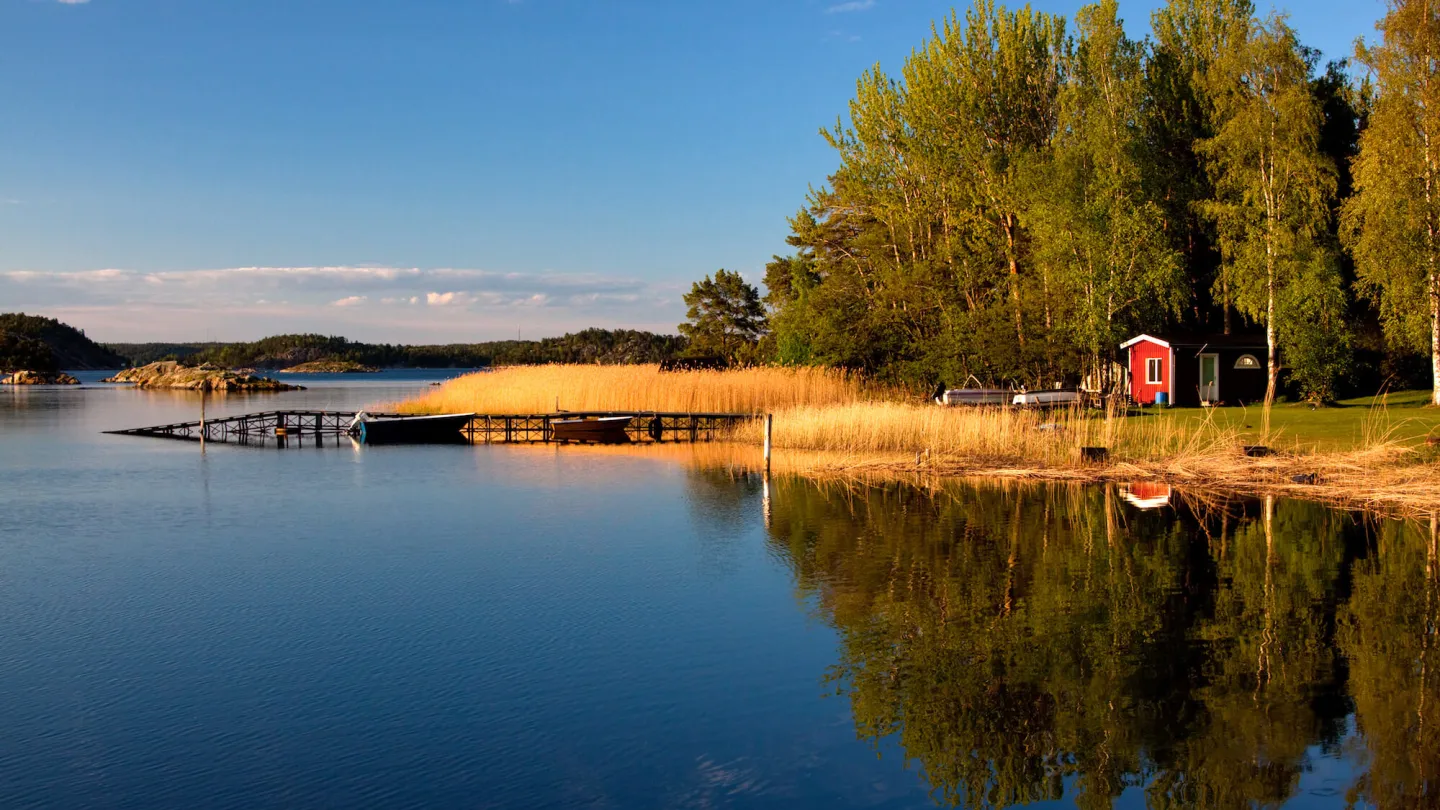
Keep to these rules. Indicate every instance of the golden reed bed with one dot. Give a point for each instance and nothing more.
(831, 424)
(543, 389)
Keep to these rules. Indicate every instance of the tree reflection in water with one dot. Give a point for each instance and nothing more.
(1027, 643)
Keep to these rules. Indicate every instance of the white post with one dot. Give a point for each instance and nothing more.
(769, 424)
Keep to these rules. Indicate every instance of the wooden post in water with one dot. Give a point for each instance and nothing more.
(769, 424)
(203, 391)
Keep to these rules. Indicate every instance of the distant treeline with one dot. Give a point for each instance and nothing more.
(604, 346)
(34, 343)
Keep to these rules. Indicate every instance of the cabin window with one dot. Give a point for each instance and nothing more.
(1154, 368)
(1247, 361)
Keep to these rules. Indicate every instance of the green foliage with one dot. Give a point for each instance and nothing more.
(1392, 222)
(50, 344)
(1095, 231)
(1273, 186)
(726, 318)
(20, 353)
(1018, 200)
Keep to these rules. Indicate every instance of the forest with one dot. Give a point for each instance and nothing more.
(37, 343)
(1027, 192)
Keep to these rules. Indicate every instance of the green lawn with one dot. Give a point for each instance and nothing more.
(1403, 417)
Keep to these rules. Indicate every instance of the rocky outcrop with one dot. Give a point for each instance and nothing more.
(169, 374)
(39, 378)
(331, 367)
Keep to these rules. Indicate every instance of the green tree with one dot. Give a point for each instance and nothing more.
(726, 317)
(1094, 226)
(1272, 184)
(1191, 37)
(1392, 223)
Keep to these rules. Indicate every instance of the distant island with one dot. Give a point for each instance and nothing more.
(331, 367)
(45, 345)
(287, 352)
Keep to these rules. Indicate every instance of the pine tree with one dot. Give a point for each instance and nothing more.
(726, 317)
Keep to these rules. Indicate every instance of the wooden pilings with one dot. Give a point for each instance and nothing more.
(651, 426)
(769, 425)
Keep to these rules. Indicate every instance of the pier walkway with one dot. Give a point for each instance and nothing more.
(285, 428)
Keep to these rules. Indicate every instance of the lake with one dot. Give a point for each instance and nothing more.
(530, 627)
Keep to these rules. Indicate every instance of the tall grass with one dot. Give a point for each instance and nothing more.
(543, 389)
(996, 435)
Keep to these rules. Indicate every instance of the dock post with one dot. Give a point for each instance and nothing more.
(769, 425)
(202, 419)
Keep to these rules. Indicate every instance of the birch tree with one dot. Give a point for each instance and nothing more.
(1272, 183)
(1092, 219)
(1391, 224)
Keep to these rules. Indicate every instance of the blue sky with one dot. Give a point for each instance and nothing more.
(427, 170)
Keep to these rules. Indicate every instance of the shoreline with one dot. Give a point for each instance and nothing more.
(1355, 481)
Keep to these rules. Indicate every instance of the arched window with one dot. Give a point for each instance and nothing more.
(1247, 361)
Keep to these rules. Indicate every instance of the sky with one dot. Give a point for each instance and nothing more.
(429, 170)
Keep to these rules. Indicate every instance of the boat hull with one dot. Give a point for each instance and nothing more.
(975, 396)
(416, 430)
(1047, 398)
(605, 430)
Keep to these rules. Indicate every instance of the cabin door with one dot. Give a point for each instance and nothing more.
(1209, 378)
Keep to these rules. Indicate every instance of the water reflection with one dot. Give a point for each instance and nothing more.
(1025, 643)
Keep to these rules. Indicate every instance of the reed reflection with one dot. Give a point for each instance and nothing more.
(1026, 643)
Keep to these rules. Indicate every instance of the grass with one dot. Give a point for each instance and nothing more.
(1348, 425)
(544, 389)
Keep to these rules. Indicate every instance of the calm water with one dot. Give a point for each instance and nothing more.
(531, 627)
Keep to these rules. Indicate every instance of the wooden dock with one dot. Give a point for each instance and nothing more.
(296, 428)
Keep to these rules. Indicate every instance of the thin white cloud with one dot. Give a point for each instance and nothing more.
(852, 5)
(72, 2)
(348, 301)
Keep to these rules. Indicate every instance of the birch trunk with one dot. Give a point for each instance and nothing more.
(1009, 225)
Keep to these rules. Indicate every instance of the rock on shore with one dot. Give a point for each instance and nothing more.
(39, 378)
(169, 374)
(331, 367)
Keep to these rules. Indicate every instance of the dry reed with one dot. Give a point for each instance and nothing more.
(543, 389)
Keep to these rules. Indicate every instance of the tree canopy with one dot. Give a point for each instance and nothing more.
(1027, 192)
(726, 317)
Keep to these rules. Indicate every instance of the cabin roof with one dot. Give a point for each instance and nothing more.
(1188, 341)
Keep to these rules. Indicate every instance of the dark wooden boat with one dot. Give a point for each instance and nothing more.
(410, 429)
(603, 429)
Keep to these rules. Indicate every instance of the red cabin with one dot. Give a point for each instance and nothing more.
(1191, 371)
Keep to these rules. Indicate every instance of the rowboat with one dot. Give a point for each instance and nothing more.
(603, 429)
(409, 429)
(975, 396)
